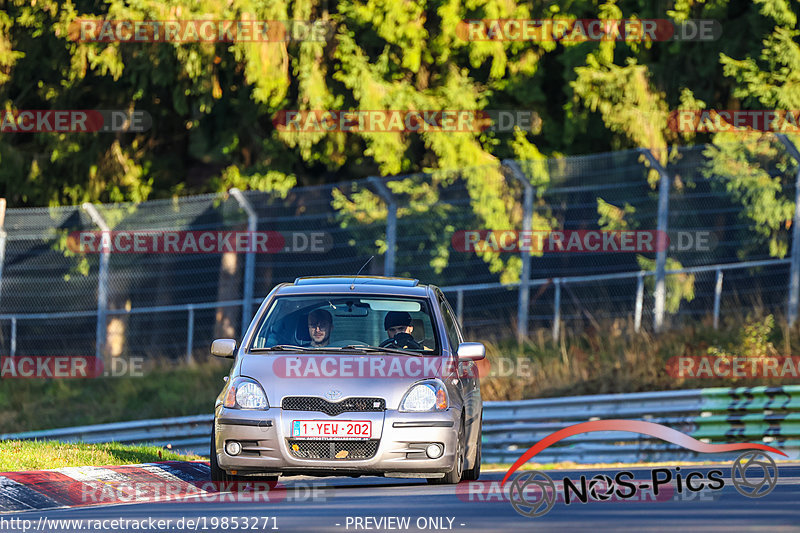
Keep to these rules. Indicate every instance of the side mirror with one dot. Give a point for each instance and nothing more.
(471, 351)
(223, 347)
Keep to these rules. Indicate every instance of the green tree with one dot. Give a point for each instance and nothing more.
(212, 104)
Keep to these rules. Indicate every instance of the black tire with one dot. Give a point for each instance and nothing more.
(475, 472)
(217, 474)
(455, 475)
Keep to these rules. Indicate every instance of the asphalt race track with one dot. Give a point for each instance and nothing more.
(366, 504)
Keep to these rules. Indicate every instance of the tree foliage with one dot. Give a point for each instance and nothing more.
(212, 103)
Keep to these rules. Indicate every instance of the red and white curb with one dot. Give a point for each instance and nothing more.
(108, 485)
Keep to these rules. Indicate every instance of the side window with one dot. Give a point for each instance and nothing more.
(455, 321)
(449, 324)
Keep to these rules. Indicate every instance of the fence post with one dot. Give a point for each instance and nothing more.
(637, 317)
(391, 224)
(13, 336)
(460, 307)
(557, 310)
(2, 260)
(249, 260)
(102, 278)
(190, 334)
(794, 271)
(660, 293)
(523, 299)
(717, 297)
(3, 236)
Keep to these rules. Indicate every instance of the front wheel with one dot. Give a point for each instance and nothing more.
(475, 472)
(217, 474)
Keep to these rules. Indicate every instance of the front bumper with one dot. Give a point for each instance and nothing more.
(397, 445)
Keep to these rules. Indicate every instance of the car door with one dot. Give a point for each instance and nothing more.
(467, 372)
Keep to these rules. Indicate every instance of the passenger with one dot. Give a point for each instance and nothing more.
(320, 325)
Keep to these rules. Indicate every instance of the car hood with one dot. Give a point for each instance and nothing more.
(335, 376)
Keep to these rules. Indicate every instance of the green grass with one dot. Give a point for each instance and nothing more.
(16, 456)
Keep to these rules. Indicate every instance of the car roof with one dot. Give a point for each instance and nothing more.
(355, 285)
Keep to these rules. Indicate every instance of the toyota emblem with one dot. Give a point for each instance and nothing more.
(333, 394)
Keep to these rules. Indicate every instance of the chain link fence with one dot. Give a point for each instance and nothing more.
(56, 301)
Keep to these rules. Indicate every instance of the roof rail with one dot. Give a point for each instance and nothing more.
(345, 280)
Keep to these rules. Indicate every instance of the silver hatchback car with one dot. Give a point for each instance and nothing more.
(350, 376)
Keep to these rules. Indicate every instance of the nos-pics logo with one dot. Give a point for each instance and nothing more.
(533, 493)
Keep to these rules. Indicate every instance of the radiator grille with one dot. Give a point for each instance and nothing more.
(348, 405)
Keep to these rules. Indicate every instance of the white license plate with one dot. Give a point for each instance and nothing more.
(328, 429)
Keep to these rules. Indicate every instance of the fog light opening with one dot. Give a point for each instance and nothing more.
(434, 451)
(233, 447)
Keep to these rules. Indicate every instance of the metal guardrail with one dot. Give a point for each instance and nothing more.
(751, 414)
(510, 428)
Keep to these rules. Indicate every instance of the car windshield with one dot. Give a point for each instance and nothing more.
(347, 323)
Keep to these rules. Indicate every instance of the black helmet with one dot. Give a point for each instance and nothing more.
(396, 318)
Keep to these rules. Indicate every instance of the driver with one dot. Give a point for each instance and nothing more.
(398, 328)
(320, 324)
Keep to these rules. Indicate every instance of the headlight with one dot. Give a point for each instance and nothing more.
(245, 393)
(425, 396)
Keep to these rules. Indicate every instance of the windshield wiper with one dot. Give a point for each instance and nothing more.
(282, 347)
(369, 348)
